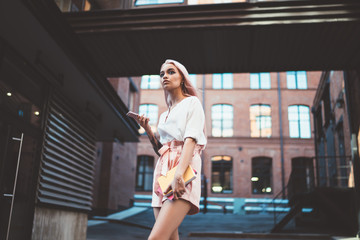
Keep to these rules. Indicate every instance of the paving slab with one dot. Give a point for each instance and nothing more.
(198, 227)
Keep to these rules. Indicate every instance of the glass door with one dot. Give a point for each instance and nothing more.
(20, 135)
(16, 182)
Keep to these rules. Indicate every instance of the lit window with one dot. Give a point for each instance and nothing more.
(222, 81)
(150, 82)
(193, 79)
(144, 173)
(222, 120)
(221, 177)
(296, 80)
(150, 111)
(154, 2)
(261, 175)
(222, 1)
(260, 81)
(260, 120)
(299, 121)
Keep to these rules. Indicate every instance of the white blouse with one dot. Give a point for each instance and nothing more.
(186, 119)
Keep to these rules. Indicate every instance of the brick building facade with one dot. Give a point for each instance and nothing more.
(116, 161)
(242, 152)
(332, 133)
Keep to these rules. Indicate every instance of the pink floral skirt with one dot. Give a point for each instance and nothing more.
(170, 156)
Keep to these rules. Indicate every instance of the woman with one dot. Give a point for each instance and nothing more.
(182, 138)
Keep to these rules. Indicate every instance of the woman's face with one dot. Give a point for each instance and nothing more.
(170, 76)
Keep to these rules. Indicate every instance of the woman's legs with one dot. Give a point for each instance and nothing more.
(168, 219)
(175, 234)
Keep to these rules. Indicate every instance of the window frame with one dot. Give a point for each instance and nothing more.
(153, 126)
(149, 81)
(299, 121)
(222, 173)
(261, 167)
(260, 80)
(184, 2)
(222, 120)
(260, 105)
(296, 79)
(144, 161)
(222, 80)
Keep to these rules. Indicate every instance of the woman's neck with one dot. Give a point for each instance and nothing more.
(176, 97)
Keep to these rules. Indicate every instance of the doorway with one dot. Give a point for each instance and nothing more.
(20, 143)
(16, 170)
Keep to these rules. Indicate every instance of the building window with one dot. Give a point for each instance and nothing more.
(221, 177)
(299, 121)
(155, 2)
(193, 79)
(296, 80)
(222, 81)
(261, 175)
(222, 120)
(150, 82)
(151, 111)
(222, 1)
(260, 120)
(73, 5)
(260, 81)
(144, 173)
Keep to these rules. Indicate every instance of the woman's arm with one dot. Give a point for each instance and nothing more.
(154, 141)
(178, 185)
(144, 122)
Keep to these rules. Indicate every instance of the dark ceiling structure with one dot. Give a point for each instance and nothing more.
(240, 37)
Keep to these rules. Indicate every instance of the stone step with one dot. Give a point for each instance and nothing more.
(250, 205)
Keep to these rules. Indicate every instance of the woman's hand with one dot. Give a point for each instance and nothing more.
(143, 121)
(178, 187)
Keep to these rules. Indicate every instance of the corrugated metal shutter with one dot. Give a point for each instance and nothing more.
(67, 167)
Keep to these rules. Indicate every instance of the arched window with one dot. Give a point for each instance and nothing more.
(144, 173)
(261, 175)
(222, 120)
(296, 80)
(221, 174)
(222, 81)
(150, 82)
(151, 111)
(260, 120)
(299, 121)
(260, 81)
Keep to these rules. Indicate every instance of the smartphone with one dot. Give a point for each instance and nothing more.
(132, 114)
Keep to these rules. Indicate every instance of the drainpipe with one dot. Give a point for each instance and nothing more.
(281, 138)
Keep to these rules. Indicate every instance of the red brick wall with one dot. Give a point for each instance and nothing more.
(242, 97)
(115, 171)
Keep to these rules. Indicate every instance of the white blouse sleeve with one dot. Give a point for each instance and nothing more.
(195, 120)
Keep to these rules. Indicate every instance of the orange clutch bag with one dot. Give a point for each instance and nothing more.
(165, 181)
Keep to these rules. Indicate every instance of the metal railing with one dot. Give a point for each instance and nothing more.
(319, 171)
(276, 202)
(333, 171)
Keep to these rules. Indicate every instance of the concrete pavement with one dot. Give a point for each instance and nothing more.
(200, 226)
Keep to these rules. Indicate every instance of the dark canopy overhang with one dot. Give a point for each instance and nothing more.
(241, 37)
(38, 31)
